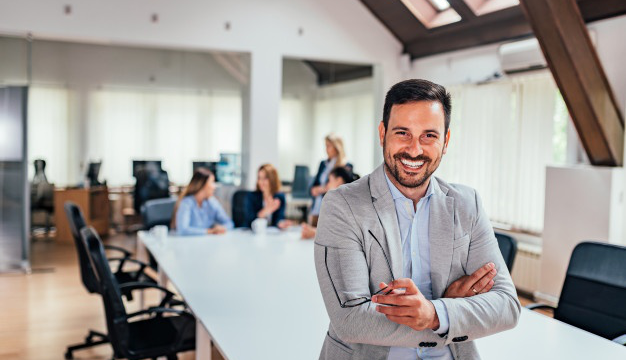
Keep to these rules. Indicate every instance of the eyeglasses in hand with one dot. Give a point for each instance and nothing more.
(363, 299)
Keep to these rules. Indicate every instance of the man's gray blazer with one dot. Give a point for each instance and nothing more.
(461, 241)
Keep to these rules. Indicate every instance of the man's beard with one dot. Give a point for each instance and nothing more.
(413, 180)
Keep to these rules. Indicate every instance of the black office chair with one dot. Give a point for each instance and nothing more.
(153, 334)
(594, 292)
(77, 222)
(157, 212)
(508, 248)
(301, 187)
(152, 183)
(41, 197)
(241, 202)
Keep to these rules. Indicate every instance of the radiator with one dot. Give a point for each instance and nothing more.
(527, 267)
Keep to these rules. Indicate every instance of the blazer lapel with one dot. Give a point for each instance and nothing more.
(441, 234)
(386, 210)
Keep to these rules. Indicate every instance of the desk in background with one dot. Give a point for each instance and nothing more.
(257, 297)
(94, 203)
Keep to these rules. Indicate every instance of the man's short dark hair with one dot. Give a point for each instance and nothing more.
(417, 90)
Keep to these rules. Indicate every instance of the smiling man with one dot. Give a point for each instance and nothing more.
(408, 265)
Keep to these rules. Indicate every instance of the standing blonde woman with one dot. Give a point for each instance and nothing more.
(197, 211)
(336, 158)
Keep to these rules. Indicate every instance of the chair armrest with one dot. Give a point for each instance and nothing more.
(124, 260)
(126, 253)
(620, 340)
(143, 285)
(536, 306)
(168, 299)
(159, 310)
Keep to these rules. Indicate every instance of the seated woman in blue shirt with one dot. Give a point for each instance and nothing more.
(267, 201)
(197, 211)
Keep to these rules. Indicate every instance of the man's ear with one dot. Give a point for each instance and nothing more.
(381, 133)
(445, 145)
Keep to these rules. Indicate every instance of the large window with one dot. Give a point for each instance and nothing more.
(503, 135)
(50, 135)
(175, 127)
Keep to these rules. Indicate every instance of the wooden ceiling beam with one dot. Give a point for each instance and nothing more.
(479, 34)
(471, 30)
(567, 47)
(460, 6)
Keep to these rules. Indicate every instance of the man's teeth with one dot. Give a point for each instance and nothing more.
(412, 164)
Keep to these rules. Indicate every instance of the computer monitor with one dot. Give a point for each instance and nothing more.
(211, 165)
(93, 170)
(141, 164)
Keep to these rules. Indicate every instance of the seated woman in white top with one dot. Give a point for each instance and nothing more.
(197, 211)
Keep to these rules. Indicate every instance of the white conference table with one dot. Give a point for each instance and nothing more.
(257, 297)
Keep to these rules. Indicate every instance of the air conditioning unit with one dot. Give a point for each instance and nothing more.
(526, 55)
(520, 56)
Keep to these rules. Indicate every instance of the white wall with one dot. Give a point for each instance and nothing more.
(583, 203)
(269, 30)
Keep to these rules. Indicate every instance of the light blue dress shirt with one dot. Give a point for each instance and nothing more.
(192, 219)
(416, 265)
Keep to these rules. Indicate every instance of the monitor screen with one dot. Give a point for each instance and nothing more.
(211, 165)
(139, 164)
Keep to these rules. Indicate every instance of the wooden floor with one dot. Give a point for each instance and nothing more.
(44, 312)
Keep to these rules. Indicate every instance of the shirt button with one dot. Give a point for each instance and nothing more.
(413, 253)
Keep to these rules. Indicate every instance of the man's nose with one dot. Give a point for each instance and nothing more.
(415, 148)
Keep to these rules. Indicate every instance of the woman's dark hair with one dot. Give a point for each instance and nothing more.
(417, 90)
(346, 175)
(198, 180)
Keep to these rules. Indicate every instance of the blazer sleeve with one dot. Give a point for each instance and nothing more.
(279, 214)
(320, 170)
(339, 235)
(497, 310)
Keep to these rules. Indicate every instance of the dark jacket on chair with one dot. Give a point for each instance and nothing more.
(255, 204)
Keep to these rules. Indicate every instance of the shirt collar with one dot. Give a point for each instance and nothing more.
(396, 194)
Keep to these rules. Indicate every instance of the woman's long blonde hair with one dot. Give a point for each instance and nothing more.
(198, 181)
(272, 176)
(337, 143)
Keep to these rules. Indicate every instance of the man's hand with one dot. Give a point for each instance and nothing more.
(409, 308)
(481, 281)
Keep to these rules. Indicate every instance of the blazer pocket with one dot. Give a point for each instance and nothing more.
(337, 345)
(463, 241)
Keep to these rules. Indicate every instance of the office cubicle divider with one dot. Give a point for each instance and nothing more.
(14, 186)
